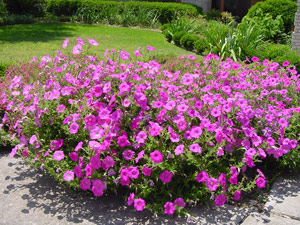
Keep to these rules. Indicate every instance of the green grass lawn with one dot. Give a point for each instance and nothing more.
(22, 42)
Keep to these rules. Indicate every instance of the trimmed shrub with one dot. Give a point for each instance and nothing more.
(188, 40)
(281, 53)
(166, 11)
(284, 8)
(200, 45)
(32, 7)
(16, 19)
(177, 36)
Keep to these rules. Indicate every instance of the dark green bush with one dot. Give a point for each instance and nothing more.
(167, 33)
(3, 10)
(16, 19)
(286, 8)
(188, 40)
(32, 7)
(177, 36)
(280, 53)
(200, 45)
(166, 11)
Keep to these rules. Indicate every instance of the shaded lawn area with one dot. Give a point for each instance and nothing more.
(22, 42)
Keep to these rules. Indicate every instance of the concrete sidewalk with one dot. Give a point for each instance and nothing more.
(27, 196)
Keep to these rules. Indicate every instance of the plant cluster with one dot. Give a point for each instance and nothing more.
(164, 11)
(170, 135)
(284, 8)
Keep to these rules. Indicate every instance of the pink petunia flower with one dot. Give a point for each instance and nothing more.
(73, 128)
(98, 187)
(85, 184)
(130, 199)
(179, 149)
(65, 43)
(139, 204)
(212, 184)
(93, 42)
(166, 176)
(220, 200)
(150, 48)
(156, 156)
(202, 176)
(195, 148)
(68, 175)
(58, 155)
(147, 171)
(169, 208)
(128, 154)
(237, 195)
(95, 162)
(179, 202)
(77, 49)
(73, 156)
(260, 182)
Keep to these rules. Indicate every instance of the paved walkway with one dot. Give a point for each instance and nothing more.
(27, 196)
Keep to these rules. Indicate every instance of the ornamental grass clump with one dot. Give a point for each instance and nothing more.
(170, 137)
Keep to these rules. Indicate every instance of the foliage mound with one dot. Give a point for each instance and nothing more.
(165, 11)
(284, 8)
(170, 135)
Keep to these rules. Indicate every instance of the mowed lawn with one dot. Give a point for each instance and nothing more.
(22, 42)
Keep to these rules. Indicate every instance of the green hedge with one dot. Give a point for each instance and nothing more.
(286, 8)
(166, 11)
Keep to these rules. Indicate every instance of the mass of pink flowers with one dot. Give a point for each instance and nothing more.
(170, 135)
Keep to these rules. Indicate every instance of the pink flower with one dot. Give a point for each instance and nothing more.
(61, 108)
(260, 182)
(85, 184)
(97, 133)
(141, 137)
(220, 200)
(73, 156)
(74, 128)
(179, 202)
(140, 155)
(150, 48)
(78, 172)
(196, 132)
(285, 63)
(128, 154)
(80, 41)
(66, 42)
(191, 57)
(77, 49)
(139, 204)
(124, 55)
(179, 149)
(95, 162)
(98, 187)
(283, 123)
(222, 179)
(255, 59)
(33, 139)
(93, 42)
(156, 156)
(108, 162)
(155, 129)
(212, 184)
(166, 176)
(147, 171)
(123, 141)
(202, 176)
(88, 170)
(68, 175)
(130, 199)
(78, 146)
(195, 148)
(134, 172)
(58, 155)
(237, 195)
(169, 208)
(126, 102)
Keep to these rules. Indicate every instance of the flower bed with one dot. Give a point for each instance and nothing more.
(186, 131)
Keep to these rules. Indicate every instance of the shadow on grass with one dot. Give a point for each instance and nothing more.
(38, 32)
